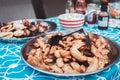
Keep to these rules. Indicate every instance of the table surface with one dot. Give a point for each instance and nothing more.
(12, 67)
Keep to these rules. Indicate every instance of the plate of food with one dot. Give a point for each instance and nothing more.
(71, 57)
(23, 30)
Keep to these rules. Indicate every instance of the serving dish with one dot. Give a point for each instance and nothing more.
(48, 24)
(113, 57)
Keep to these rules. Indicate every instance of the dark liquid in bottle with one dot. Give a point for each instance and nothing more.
(103, 22)
(103, 16)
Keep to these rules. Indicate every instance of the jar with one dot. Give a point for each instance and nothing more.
(92, 17)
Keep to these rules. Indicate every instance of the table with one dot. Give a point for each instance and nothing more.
(12, 67)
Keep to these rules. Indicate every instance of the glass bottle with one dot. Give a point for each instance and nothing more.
(103, 16)
(92, 17)
(80, 6)
(69, 7)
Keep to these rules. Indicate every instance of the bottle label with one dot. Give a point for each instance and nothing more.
(103, 21)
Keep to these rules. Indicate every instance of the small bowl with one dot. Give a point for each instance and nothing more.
(71, 20)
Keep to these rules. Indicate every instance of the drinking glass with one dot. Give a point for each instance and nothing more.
(91, 19)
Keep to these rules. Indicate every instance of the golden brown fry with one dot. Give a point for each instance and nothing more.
(82, 68)
(76, 53)
(68, 59)
(96, 52)
(18, 33)
(75, 66)
(93, 64)
(59, 62)
(56, 69)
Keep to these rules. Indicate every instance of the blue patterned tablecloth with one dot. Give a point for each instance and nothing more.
(12, 67)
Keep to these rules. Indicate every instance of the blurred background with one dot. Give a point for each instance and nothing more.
(31, 9)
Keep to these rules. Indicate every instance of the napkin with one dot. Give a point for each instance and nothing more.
(114, 23)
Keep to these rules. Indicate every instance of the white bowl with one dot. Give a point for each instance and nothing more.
(71, 20)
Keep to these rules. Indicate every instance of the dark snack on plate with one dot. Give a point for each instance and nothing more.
(71, 55)
(24, 29)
